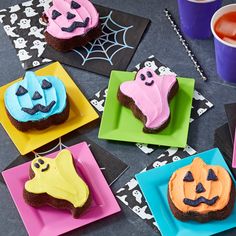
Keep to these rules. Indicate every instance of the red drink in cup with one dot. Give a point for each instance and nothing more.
(225, 27)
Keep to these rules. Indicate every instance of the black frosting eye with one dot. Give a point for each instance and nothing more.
(188, 177)
(70, 16)
(74, 5)
(55, 14)
(149, 74)
(46, 84)
(211, 175)
(21, 91)
(36, 96)
(36, 165)
(142, 76)
(200, 188)
(41, 161)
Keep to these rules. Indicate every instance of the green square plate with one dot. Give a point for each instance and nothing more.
(118, 122)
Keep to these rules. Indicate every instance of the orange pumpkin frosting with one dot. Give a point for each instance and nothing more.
(200, 187)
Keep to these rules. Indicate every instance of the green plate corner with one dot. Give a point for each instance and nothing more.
(118, 123)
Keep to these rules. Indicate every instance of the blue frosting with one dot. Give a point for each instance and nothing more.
(32, 83)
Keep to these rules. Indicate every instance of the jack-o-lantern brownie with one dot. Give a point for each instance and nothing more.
(201, 192)
(55, 182)
(148, 97)
(71, 23)
(36, 102)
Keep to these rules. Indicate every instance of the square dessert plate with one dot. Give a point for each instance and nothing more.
(118, 122)
(81, 113)
(46, 220)
(154, 185)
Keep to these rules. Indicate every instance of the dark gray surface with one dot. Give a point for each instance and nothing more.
(159, 40)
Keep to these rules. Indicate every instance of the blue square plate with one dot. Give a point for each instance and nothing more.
(154, 184)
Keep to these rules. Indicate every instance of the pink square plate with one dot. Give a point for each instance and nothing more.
(46, 220)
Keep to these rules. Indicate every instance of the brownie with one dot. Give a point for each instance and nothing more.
(130, 101)
(56, 183)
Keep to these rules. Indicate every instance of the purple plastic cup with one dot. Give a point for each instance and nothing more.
(225, 52)
(195, 17)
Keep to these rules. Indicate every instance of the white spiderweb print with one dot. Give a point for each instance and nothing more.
(112, 40)
(59, 146)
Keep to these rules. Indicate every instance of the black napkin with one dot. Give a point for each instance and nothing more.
(111, 166)
(230, 110)
(114, 49)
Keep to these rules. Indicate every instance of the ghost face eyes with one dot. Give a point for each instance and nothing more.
(147, 78)
(41, 166)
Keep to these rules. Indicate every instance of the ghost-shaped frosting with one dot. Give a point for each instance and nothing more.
(150, 93)
(58, 178)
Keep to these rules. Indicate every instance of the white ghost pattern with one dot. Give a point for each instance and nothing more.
(20, 43)
(30, 12)
(1, 18)
(138, 196)
(171, 151)
(9, 31)
(159, 163)
(23, 55)
(151, 64)
(14, 18)
(14, 8)
(28, 3)
(200, 111)
(35, 63)
(144, 148)
(46, 60)
(176, 158)
(24, 23)
(198, 96)
(141, 212)
(36, 32)
(122, 198)
(132, 184)
(44, 3)
(98, 104)
(38, 45)
(189, 150)
(165, 71)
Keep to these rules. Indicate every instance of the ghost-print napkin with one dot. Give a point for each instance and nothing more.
(113, 50)
(111, 166)
(200, 104)
(230, 110)
(131, 194)
(222, 140)
(24, 27)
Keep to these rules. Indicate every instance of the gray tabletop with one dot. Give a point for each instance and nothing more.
(161, 41)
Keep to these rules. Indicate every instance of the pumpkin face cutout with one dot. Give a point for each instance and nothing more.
(35, 98)
(71, 18)
(200, 188)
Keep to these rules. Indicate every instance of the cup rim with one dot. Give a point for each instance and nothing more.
(201, 1)
(213, 21)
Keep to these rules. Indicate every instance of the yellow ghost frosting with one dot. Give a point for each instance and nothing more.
(58, 178)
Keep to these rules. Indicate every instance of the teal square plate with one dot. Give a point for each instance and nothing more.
(154, 185)
(118, 122)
